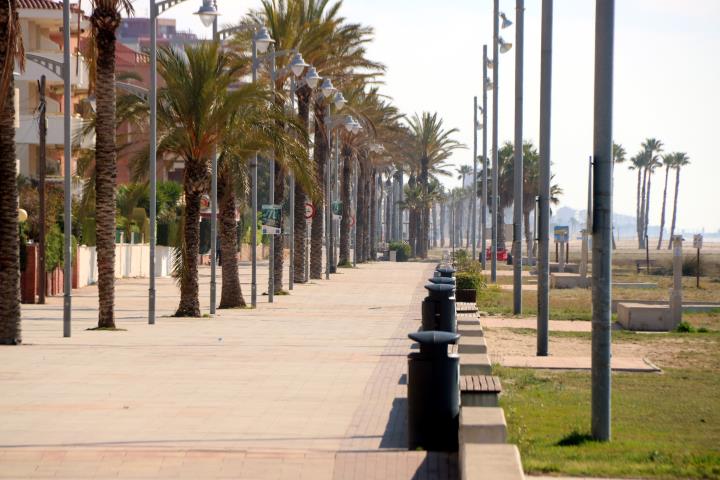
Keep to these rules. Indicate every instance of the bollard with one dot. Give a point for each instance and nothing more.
(446, 271)
(442, 280)
(676, 291)
(438, 308)
(433, 393)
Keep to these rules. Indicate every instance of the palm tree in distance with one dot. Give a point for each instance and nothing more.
(681, 160)
(667, 160)
(11, 48)
(105, 20)
(652, 147)
(638, 163)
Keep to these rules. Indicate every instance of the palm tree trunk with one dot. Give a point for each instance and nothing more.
(388, 210)
(641, 225)
(637, 203)
(647, 207)
(372, 234)
(442, 224)
(677, 188)
(662, 215)
(435, 225)
(105, 21)
(500, 227)
(279, 240)
(320, 156)
(195, 179)
(359, 213)
(231, 296)
(10, 330)
(366, 215)
(300, 224)
(344, 258)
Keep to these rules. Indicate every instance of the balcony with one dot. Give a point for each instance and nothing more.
(33, 70)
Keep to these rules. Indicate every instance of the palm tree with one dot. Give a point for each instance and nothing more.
(668, 160)
(105, 20)
(193, 110)
(10, 49)
(638, 163)
(681, 160)
(651, 146)
(433, 145)
(463, 171)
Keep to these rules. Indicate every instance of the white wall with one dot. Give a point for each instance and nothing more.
(131, 261)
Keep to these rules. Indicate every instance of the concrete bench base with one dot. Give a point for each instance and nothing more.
(496, 462)
(471, 330)
(475, 364)
(479, 391)
(472, 345)
(645, 318)
(482, 425)
(569, 280)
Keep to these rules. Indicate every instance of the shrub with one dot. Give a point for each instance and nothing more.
(685, 327)
(402, 249)
(469, 281)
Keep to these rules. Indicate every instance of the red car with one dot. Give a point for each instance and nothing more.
(501, 254)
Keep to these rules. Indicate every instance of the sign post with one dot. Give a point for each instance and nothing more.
(697, 245)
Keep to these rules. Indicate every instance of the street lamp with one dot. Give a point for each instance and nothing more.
(207, 12)
(298, 65)
(504, 46)
(327, 88)
(312, 78)
(339, 101)
(505, 22)
(518, 158)
(263, 40)
(487, 85)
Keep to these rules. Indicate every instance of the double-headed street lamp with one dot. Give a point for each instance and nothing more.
(499, 46)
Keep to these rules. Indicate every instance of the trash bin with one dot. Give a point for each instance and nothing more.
(438, 308)
(433, 393)
(446, 271)
(442, 280)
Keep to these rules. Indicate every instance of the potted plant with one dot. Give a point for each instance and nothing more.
(466, 286)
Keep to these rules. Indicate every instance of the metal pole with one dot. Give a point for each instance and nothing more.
(496, 68)
(291, 279)
(543, 202)
(355, 209)
(271, 277)
(328, 193)
(473, 235)
(602, 219)
(254, 201)
(518, 158)
(483, 214)
(153, 160)
(41, 192)
(213, 209)
(67, 172)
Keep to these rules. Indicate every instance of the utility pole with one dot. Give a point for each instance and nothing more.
(483, 214)
(602, 220)
(42, 121)
(473, 236)
(518, 159)
(67, 174)
(496, 87)
(543, 203)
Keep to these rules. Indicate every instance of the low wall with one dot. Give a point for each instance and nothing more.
(131, 261)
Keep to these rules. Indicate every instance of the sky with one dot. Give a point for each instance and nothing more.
(667, 70)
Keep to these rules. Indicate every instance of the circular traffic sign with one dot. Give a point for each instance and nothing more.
(310, 211)
(352, 220)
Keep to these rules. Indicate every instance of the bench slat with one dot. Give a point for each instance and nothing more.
(480, 383)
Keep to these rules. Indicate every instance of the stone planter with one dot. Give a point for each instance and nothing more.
(466, 295)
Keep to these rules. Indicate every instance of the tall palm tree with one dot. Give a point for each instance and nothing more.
(433, 145)
(10, 49)
(638, 163)
(681, 160)
(652, 147)
(105, 20)
(668, 160)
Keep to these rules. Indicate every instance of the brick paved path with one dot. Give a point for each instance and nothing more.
(311, 386)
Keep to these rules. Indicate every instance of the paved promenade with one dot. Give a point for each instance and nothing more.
(312, 386)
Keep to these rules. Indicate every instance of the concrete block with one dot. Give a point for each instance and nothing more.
(635, 285)
(645, 318)
(482, 425)
(569, 280)
(472, 345)
(471, 330)
(569, 267)
(488, 461)
(479, 399)
(475, 364)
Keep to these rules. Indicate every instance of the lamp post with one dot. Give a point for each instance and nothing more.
(499, 46)
(602, 219)
(543, 201)
(518, 159)
(67, 173)
(483, 214)
(474, 189)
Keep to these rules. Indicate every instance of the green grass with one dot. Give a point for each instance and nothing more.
(663, 425)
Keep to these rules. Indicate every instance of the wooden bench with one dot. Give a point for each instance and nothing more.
(643, 263)
(479, 390)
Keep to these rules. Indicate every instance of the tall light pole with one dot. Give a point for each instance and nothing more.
(473, 235)
(602, 219)
(67, 173)
(543, 203)
(498, 46)
(518, 159)
(483, 214)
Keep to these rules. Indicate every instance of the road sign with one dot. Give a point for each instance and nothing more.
(271, 219)
(337, 208)
(697, 241)
(562, 234)
(310, 211)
